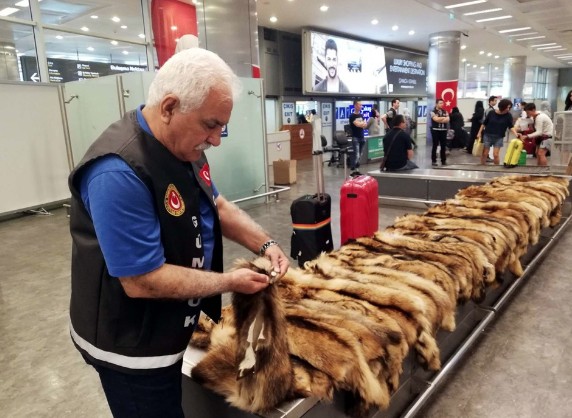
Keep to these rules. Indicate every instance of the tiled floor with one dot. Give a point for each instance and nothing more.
(522, 366)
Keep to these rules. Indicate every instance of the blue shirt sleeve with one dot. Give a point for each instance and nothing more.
(124, 217)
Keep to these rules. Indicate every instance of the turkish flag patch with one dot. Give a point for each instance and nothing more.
(205, 174)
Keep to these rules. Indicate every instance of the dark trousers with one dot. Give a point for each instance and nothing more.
(357, 145)
(439, 138)
(143, 396)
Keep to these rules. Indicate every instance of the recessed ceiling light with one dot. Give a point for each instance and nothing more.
(559, 49)
(374, 22)
(59, 37)
(551, 43)
(9, 47)
(125, 52)
(550, 47)
(85, 28)
(273, 19)
(394, 27)
(524, 34)
(468, 63)
(464, 60)
(490, 19)
(496, 68)
(482, 67)
(482, 12)
(474, 65)
(324, 8)
(123, 26)
(467, 3)
(532, 37)
(113, 42)
(90, 48)
(481, 52)
(489, 54)
(141, 35)
(116, 19)
(8, 11)
(463, 46)
(411, 32)
(94, 16)
(496, 57)
(514, 30)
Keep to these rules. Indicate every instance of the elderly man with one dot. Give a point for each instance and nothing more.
(543, 129)
(147, 224)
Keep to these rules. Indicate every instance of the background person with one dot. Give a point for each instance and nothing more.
(332, 82)
(439, 122)
(476, 122)
(357, 125)
(568, 101)
(373, 122)
(457, 122)
(410, 124)
(495, 125)
(387, 117)
(398, 147)
(543, 130)
(147, 223)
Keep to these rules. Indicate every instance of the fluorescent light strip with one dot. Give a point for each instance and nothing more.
(533, 37)
(467, 3)
(549, 47)
(562, 55)
(8, 11)
(514, 30)
(482, 12)
(560, 49)
(524, 34)
(490, 19)
(565, 57)
(535, 46)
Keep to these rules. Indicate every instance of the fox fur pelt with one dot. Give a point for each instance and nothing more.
(348, 319)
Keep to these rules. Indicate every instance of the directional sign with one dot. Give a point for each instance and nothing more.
(35, 78)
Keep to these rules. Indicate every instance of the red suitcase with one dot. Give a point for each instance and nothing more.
(359, 211)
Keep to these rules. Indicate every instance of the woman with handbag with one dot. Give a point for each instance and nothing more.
(495, 126)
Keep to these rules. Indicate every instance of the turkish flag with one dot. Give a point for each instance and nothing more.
(447, 90)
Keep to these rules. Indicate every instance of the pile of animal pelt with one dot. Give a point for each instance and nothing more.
(349, 318)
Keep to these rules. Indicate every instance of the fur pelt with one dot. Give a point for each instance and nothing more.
(348, 319)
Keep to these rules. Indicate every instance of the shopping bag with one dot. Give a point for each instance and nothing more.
(478, 147)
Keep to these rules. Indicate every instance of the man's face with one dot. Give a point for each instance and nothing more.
(530, 113)
(357, 107)
(332, 62)
(440, 104)
(493, 102)
(186, 135)
(396, 104)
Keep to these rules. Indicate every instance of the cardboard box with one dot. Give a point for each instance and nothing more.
(284, 171)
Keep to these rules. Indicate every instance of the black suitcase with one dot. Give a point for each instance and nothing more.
(311, 221)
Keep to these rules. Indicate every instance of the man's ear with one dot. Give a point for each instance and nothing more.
(167, 107)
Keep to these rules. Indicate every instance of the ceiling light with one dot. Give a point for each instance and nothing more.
(560, 49)
(94, 17)
(125, 52)
(481, 52)
(468, 63)
(9, 47)
(123, 26)
(489, 54)
(85, 28)
(565, 57)
(113, 42)
(411, 32)
(533, 37)
(394, 27)
(273, 19)
(116, 19)
(463, 46)
(534, 46)
(467, 3)
(374, 22)
(490, 19)
(474, 65)
(514, 30)
(8, 11)
(59, 37)
(496, 68)
(23, 3)
(141, 35)
(524, 34)
(482, 67)
(482, 11)
(90, 48)
(560, 55)
(549, 47)
(464, 60)
(324, 8)
(496, 56)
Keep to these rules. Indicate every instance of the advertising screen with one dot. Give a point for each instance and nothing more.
(342, 66)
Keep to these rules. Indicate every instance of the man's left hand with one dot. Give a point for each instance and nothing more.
(279, 261)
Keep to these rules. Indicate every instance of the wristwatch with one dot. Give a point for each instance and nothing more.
(267, 245)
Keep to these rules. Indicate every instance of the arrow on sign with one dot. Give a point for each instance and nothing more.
(35, 78)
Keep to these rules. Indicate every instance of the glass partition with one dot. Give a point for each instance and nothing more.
(91, 106)
(135, 88)
(16, 42)
(237, 166)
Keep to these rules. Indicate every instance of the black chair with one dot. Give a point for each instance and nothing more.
(340, 149)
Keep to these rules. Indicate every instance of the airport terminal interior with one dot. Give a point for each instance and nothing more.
(511, 354)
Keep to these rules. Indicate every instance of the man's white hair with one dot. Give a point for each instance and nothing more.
(190, 75)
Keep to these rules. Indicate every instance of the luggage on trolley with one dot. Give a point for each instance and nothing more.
(512, 155)
(311, 220)
(359, 210)
(530, 146)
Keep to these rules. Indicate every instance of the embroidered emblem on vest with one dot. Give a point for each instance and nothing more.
(206, 174)
(173, 201)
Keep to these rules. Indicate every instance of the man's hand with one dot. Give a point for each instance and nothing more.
(279, 261)
(248, 281)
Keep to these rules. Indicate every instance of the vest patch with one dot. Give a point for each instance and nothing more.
(173, 201)
(205, 174)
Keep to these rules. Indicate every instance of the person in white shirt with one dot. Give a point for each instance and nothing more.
(543, 129)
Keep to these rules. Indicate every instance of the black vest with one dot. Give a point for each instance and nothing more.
(107, 326)
(439, 126)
